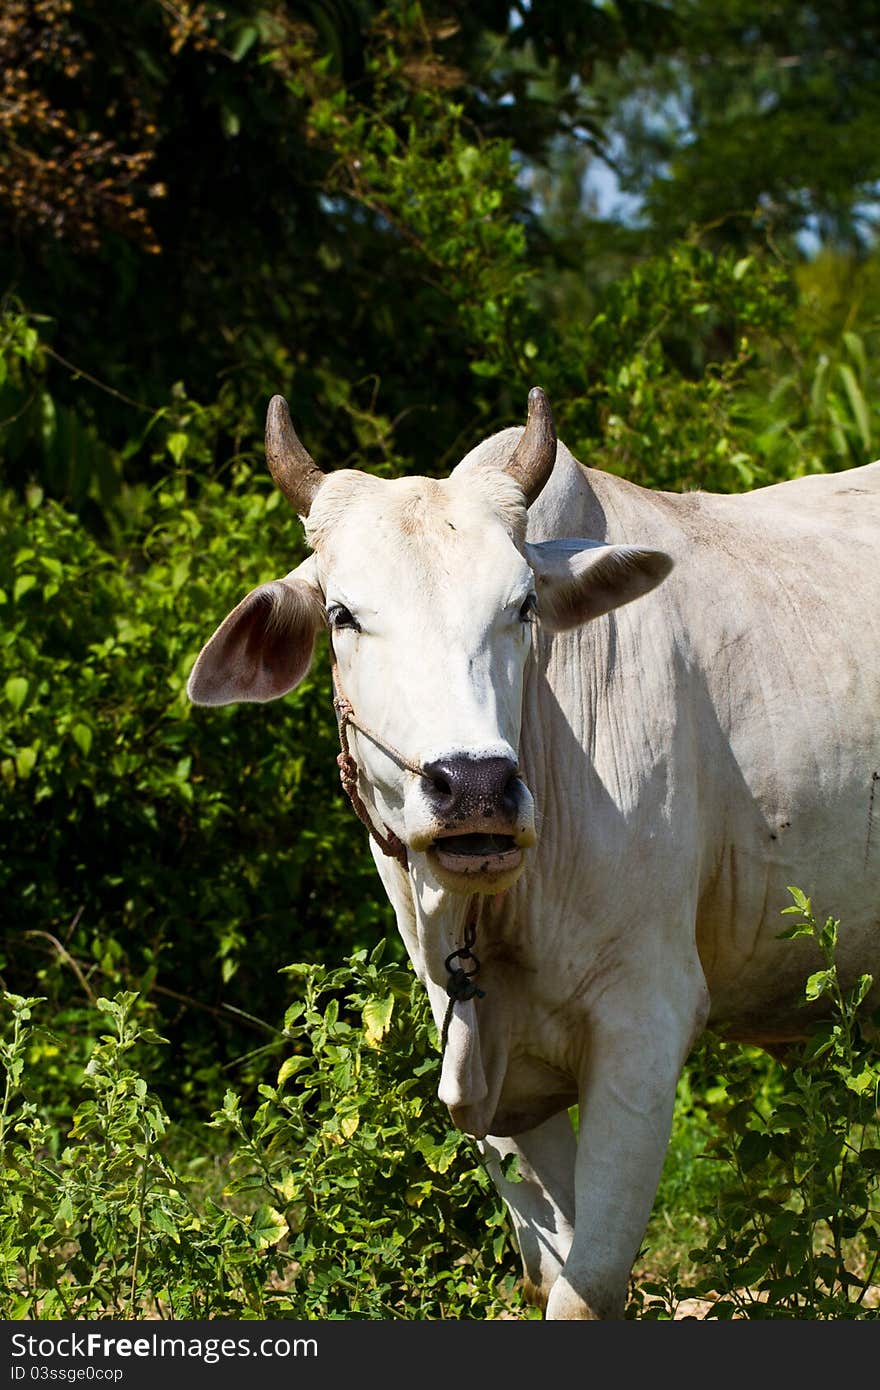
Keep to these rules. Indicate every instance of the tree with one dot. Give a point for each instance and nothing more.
(761, 115)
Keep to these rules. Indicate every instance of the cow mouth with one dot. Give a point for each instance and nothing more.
(477, 854)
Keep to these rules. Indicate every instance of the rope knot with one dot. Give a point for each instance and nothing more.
(348, 773)
(460, 986)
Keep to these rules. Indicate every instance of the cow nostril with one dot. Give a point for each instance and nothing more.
(440, 779)
(463, 786)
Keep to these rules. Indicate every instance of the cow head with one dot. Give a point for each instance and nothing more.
(431, 594)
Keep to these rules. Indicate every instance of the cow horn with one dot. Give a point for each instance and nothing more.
(535, 454)
(292, 467)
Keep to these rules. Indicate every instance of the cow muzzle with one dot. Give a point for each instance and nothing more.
(480, 822)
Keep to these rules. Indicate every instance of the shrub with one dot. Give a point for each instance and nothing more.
(351, 1195)
(148, 845)
(390, 1210)
(96, 1222)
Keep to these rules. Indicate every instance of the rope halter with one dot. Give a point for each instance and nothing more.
(460, 985)
(389, 843)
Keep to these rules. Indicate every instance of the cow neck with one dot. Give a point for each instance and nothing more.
(389, 842)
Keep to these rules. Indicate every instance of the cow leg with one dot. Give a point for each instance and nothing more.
(627, 1096)
(541, 1203)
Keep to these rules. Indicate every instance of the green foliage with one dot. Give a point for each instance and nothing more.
(351, 1196)
(96, 1221)
(669, 355)
(796, 1226)
(348, 1194)
(821, 409)
(389, 1210)
(139, 850)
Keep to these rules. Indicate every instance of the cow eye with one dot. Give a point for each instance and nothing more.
(529, 608)
(339, 616)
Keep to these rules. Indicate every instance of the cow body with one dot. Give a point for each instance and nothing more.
(679, 762)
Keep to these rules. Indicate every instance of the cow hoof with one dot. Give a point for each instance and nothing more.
(565, 1304)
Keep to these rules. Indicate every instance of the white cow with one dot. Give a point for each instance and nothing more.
(609, 798)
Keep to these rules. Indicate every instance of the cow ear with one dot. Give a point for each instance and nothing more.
(264, 647)
(578, 580)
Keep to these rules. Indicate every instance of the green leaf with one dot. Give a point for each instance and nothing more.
(231, 122)
(247, 37)
(377, 1018)
(863, 1082)
(268, 1227)
(82, 737)
(16, 689)
(753, 1149)
(857, 403)
(349, 1124)
(25, 761)
(161, 1220)
(863, 985)
(22, 584)
(855, 346)
(177, 445)
(289, 1067)
(64, 1215)
(801, 902)
(800, 929)
(149, 1035)
(828, 935)
(819, 983)
(468, 161)
(510, 1168)
(48, 418)
(439, 1157)
(287, 1185)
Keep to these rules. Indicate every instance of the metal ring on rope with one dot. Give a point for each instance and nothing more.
(460, 985)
